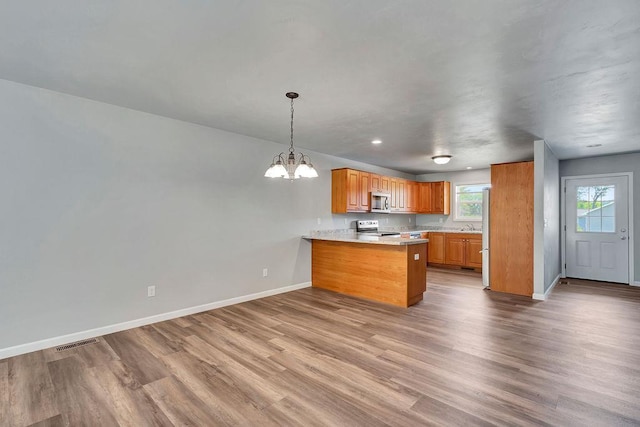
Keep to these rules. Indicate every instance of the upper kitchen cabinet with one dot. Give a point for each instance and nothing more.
(424, 197)
(412, 196)
(511, 228)
(350, 191)
(380, 183)
(434, 197)
(440, 197)
(398, 187)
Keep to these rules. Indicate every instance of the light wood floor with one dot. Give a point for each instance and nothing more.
(463, 356)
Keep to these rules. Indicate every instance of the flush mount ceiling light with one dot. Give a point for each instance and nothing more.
(290, 169)
(441, 160)
(376, 141)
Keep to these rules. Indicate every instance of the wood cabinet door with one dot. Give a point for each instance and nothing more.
(440, 197)
(412, 196)
(424, 198)
(375, 182)
(353, 190)
(385, 184)
(435, 253)
(402, 195)
(473, 256)
(454, 250)
(365, 191)
(393, 188)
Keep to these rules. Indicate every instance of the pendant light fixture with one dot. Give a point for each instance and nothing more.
(441, 160)
(289, 168)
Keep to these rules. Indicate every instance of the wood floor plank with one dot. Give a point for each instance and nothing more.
(462, 356)
(180, 404)
(4, 392)
(57, 421)
(145, 367)
(79, 395)
(130, 403)
(91, 355)
(223, 394)
(32, 397)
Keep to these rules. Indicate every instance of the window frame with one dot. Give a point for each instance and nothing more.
(456, 202)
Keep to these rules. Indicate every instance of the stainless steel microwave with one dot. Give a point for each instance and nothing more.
(380, 202)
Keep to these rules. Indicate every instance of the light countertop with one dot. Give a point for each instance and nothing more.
(376, 240)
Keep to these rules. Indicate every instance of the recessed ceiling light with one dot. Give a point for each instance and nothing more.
(376, 141)
(594, 145)
(441, 160)
(469, 167)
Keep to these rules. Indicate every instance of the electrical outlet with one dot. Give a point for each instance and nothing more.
(416, 257)
(387, 219)
(265, 272)
(319, 221)
(151, 291)
(346, 221)
(409, 220)
(440, 220)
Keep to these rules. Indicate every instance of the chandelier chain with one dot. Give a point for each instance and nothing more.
(291, 147)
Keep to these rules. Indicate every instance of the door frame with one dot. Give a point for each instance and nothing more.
(563, 219)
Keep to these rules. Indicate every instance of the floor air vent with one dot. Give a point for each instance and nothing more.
(76, 344)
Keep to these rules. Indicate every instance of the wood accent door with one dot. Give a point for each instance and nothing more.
(454, 249)
(511, 228)
(436, 248)
(441, 197)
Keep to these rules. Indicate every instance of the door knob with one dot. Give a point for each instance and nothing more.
(623, 238)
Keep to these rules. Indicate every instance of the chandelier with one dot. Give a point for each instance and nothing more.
(290, 168)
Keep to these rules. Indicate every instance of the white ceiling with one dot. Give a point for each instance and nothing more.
(477, 79)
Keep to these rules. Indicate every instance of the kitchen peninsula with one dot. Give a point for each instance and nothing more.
(391, 270)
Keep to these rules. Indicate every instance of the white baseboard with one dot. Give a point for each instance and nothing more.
(92, 333)
(635, 283)
(542, 297)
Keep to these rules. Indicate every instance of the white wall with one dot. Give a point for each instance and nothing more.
(479, 176)
(98, 202)
(629, 162)
(546, 248)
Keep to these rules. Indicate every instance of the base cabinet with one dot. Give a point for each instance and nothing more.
(436, 248)
(455, 249)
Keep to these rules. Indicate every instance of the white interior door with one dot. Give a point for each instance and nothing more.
(597, 228)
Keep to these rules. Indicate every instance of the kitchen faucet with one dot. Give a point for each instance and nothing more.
(469, 227)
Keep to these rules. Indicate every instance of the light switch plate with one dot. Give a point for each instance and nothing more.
(416, 257)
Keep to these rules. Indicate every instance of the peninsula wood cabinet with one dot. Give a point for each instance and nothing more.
(511, 228)
(350, 191)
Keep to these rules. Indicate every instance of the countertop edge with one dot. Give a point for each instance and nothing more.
(390, 241)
